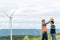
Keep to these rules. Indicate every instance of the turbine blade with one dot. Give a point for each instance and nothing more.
(13, 12)
(6, 14)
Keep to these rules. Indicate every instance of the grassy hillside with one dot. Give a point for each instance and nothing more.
(26, 37)
(17, 37)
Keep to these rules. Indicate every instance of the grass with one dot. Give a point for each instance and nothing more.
(27, 37)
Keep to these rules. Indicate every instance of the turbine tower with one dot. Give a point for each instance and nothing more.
(10, 22)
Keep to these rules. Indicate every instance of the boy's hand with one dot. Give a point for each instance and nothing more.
(51, 19)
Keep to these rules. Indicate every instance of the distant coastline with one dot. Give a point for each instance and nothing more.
(34, 32)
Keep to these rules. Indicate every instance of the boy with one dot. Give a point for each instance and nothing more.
(52, 31)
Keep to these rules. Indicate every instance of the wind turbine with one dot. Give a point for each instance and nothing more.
(10, 22)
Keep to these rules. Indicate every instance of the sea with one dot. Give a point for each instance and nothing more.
(37, 32)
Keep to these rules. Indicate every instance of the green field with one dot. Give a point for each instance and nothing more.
(26, 37)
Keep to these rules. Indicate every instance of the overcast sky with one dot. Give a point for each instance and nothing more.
(29, 13)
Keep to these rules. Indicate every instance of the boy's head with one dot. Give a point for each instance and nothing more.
(52, 22)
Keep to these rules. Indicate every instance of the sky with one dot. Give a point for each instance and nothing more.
(29, 13)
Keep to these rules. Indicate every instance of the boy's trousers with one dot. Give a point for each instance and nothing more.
(53, 37)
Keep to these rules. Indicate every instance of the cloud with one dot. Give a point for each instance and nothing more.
(29, 13)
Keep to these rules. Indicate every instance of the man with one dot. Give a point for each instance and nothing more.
(44, 30)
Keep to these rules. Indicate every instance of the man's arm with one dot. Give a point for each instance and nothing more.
(47, 22)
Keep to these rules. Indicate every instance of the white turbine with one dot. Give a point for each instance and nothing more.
(10, 22)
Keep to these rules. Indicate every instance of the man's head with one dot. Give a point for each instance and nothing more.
(43, 21)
